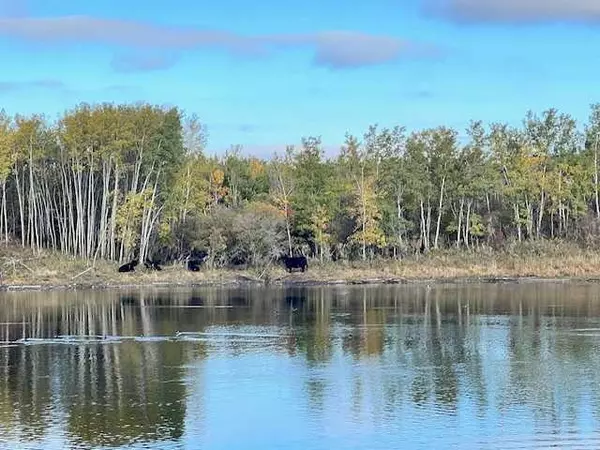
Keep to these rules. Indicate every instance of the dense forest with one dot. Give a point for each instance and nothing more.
(121, 181)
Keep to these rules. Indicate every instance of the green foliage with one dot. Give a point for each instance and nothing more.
(246, 178)
(129, 217)
(254, 235)
(106, 180)
(6, 146)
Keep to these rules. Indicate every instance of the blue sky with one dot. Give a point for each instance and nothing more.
(264, 74)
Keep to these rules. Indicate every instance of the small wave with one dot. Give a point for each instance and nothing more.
(190, 306)
(580, 441)
(70, 340)
(225, 337)
(229, 334)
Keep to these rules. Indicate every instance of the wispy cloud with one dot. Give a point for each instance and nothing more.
(64, 90)
(421, 94)
(516, 11)
(247, 128)
(12, 86)
(13, 8)
(234, 126)
(342, 49)
(139, 62)
(333, 49)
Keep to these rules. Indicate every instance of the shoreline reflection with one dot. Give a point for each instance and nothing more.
(321, 367)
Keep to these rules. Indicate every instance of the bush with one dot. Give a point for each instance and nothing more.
(252, 235)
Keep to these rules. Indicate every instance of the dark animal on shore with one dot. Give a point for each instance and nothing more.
(335, 253)
(129, 267)
(196, 259)
(194, 264)
(295, 262)
(152, 265)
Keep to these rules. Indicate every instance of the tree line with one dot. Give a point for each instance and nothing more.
(114, 181)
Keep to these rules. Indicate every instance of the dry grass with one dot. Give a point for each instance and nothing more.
(24, 268)
(545, 260)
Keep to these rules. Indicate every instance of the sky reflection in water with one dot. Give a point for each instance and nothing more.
(473, 367)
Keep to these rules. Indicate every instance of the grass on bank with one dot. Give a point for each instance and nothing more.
(545, 259)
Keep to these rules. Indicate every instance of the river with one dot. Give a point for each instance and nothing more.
(481, 366)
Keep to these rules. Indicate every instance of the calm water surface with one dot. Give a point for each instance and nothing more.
(469, 367)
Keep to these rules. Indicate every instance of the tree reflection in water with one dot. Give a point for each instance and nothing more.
(118, 368)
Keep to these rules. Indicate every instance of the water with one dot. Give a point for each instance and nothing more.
(469, 367)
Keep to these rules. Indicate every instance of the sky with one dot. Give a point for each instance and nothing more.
(265, 74)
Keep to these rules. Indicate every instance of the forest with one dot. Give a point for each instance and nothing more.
(122, 181)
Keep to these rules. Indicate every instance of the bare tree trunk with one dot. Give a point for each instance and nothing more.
(428, 223)
(540, 217)
(32, 210)
(21, 207)
(468, 224)
(399, 214)
(423, 224)
(52, 212)
(439, 218)
(285, 197)
(518, 221)
(113, 216)
(103, 231)
(460, 215)
(529, 209)
(188, 188)
(148, 220)
(69, 183)
(91, 213)
(364, 213)
(596, 190)
(288, 230)
(4, 213)
(79, 208)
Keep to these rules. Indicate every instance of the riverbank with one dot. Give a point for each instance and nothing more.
(23, 270)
